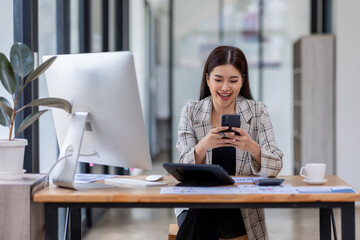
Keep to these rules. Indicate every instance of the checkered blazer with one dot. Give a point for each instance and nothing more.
(195, 123)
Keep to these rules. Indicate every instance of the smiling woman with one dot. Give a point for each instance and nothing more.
(225, 90)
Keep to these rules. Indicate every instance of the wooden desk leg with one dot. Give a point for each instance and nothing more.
(348, 221)
(51, 222)
(75, 223)
(325, 223)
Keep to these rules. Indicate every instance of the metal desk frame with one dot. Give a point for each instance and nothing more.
(347, 214)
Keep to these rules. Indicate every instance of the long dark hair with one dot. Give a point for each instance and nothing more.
(226, 55)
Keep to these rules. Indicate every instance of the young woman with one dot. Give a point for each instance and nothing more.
(225, 90)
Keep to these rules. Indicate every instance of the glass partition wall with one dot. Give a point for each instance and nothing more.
(47, 46)
(264, 30)
(157, 34)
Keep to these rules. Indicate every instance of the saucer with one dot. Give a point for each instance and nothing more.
(316, 182)
(12, 175)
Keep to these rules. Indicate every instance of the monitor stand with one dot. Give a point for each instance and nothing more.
(64, 172)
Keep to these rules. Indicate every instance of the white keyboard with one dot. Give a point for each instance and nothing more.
(134, 182)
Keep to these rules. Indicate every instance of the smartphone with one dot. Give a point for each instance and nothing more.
(226, 156)
(231, 120)
(269, 181)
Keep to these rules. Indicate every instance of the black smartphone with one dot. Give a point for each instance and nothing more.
(231, 120)
(269, 181)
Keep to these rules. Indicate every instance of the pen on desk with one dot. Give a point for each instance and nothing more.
(222, 134)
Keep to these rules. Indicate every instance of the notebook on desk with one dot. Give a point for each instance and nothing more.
(198, 174)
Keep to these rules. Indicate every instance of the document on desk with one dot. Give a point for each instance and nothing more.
(334, 189)
(199, 190)
(134, 182)
(254, 189)
(246, 179)
(90, 177)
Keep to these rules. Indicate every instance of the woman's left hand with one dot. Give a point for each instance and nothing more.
(245, 143)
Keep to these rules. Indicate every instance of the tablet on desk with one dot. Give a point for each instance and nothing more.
(199, 174)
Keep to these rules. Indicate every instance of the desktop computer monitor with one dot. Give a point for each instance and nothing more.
(106, 125)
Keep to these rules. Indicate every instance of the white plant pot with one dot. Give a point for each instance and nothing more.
(12, 158)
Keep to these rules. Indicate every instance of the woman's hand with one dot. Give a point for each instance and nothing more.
(245, 143)
(213, 140)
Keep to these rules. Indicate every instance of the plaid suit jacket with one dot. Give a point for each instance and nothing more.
(195, 123)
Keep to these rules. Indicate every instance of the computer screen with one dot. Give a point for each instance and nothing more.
(106, 122)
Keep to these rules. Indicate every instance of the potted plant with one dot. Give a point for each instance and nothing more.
(21, 64)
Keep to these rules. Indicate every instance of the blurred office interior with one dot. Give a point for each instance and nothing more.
(170, 40)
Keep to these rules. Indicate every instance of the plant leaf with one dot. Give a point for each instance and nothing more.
(22, 59)
(7, 75)
(38, 71)
(51, 102)
(29, 120)
(5, 112)
(4, 118)
(6, 106)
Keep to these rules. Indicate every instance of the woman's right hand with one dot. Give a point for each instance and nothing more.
(212, 140)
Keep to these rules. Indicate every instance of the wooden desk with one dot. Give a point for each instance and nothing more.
(126, 197)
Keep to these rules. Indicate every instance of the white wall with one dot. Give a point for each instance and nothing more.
(345, 19)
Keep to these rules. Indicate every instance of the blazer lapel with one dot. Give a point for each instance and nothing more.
(203, 122)
(203, 118)
(244, 110)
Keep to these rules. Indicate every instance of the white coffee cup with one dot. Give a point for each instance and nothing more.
(315, 172)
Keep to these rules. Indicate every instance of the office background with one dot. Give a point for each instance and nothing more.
(170, 41)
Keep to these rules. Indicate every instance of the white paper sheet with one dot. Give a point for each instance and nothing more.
(254, 189)
(245, 179)
(240, 189)
(330, 189)
(199, 190)
(91, 177)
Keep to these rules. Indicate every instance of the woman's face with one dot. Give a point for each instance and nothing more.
(225, 82)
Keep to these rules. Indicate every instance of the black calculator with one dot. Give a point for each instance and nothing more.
(269, 181)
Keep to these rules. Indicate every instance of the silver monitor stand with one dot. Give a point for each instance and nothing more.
(64, 173)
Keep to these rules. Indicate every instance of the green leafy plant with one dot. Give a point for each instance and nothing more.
(22, 64)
